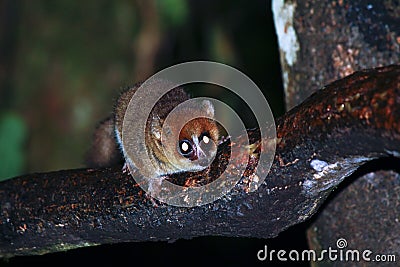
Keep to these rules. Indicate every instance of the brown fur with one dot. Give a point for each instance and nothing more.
(104, 151)
(156, 147)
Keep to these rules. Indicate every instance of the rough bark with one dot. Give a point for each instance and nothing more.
(332, 39)
(320, 142)
(322, 41)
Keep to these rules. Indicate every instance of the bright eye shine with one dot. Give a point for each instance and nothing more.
(206, 140)
(184, 147)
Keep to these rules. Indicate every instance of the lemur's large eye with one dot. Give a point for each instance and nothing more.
(186, 149)
(205, 140)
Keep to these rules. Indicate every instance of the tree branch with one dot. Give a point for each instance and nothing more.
(320, 142)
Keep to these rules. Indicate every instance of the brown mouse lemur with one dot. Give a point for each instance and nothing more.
(197, 139)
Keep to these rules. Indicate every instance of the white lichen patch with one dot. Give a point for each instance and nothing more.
(328, 175)
(287, 38)
(393, 153)
(318, 165)
(323, 168)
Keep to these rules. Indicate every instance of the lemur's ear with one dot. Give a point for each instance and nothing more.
(208, 107)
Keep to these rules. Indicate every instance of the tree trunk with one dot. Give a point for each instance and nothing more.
(323, 41)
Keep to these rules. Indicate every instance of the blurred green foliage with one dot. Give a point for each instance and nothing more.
(13, 134)
(173, 12)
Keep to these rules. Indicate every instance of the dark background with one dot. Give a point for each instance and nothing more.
(62, 64)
